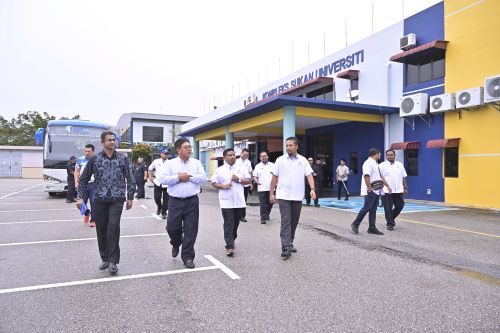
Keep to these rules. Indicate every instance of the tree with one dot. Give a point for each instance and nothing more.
(20, 131)
(141, 150)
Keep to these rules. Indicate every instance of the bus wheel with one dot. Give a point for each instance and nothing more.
(52, 194)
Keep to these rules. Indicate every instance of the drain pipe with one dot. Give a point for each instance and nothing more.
(387, 120)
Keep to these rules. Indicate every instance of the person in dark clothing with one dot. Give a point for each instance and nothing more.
(141, 177)
(315, 169)
(70, 169)
(114, 184)
(319, 177)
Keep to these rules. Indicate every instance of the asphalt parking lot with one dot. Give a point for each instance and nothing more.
(438, 271)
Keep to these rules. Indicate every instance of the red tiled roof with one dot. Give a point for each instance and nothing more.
(422, 50)
(406, 145)
(443, 143)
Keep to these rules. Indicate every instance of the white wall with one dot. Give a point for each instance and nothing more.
(32, 159)
(380, 81)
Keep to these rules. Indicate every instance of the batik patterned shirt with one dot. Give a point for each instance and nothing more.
(113, 176)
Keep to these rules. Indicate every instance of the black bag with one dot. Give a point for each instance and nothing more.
(378, 184)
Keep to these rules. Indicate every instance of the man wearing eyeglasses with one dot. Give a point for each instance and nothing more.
(114, 184)
(184, 176)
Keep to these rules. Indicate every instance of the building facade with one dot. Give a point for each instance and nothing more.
(416, 87)
(158, 130)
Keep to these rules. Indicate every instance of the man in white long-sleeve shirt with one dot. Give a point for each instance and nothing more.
(183, 175)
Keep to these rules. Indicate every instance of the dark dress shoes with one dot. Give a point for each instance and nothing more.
(103, 265)
(374, 231)
(113, 269)
(175, 252)
(189, 264)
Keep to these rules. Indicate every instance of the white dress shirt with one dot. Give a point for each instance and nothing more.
(370, 168)
(264, 173)
(233, 197)
(156, 167)
(393, 174)
(247, 164)
(176, 188)
(291, 172)
(343, 172)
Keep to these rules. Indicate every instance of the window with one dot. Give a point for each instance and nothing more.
(451, 162)
(152, 134)
(325, 93)
(353, 162)
(411, 162)
(425, 71)
(354, 84)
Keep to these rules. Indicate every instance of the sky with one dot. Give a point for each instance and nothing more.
(103, 58)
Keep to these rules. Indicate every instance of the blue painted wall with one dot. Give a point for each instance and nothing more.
(352, 137)
(428, 25)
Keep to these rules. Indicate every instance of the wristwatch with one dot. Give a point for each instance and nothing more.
(239, 180)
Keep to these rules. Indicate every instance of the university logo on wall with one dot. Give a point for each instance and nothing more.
(250, 100)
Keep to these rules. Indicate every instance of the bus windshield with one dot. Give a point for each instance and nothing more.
(63, 141)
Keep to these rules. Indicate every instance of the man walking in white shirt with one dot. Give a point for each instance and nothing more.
(262, 175)
(288, 174)
(248, 165)
(230, 179)
(371, 187)
(395, 174)
(160, 189)
(183, 175)
(342, 173)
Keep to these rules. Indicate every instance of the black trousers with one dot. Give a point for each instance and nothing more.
(393, 205)
(141, 194)
(162, 205)
(340, 188)
(246, 190)
(265, 205)
(71, 194)
(308, 195)
(231, 218)
(182, 224)
(107, 219)
(370, 208)
(290, 215)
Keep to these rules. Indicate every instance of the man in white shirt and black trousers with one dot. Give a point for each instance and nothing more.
(160, 189)
(262, 175)
(230, 180)
(183, 175)
(289, 172)
(371, 187)
(395, 174)
(248, 165)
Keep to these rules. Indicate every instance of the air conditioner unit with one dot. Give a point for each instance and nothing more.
(492, 89)
(407, 42)
(414, 105)
(469, 98)
(442, 103)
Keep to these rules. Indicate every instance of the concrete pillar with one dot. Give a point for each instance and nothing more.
(196, 149)
(288, 123)
(229, 138)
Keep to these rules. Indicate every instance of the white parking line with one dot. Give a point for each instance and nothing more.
(77, 240)
(223, 267)
(218, 265)
(36, 210)
(144, 206)
(69, 220)
(31, 203)
(8, 195)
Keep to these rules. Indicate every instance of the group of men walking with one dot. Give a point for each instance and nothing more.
(108, 181)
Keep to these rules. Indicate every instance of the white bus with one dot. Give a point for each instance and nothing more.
(60, 140)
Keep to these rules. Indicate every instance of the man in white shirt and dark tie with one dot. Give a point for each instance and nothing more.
(183, 175)
(288, 174)
(395, 174)
(230, 180)
(262, 175)
(371, 188)
(248, 165)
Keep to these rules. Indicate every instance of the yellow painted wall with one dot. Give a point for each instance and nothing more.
(473, 31)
